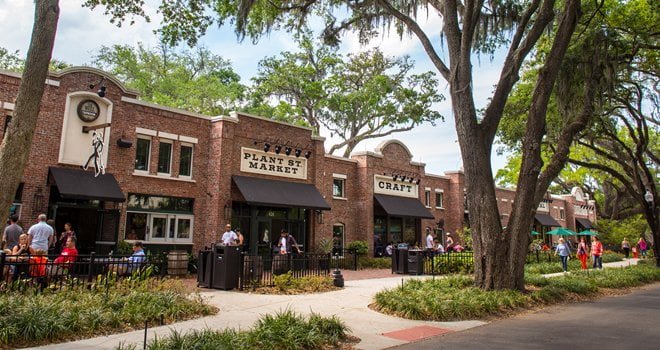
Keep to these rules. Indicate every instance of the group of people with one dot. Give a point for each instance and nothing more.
(27, 252)
(286, 244)
(642, 247)
(595, 250)
(433, 243)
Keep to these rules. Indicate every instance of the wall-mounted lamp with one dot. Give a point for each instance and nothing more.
(101, 90)
(278, 149)
(227, 211)
(319, 216)
(288, 150)
(37, 201)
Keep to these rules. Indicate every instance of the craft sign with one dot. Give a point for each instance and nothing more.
(269, 163)
(385, 185)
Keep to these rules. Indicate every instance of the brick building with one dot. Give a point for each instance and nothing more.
(173, 178)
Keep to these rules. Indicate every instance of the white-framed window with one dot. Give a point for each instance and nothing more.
(159, 219)
(439, 199)
(338, 239)
(159, 227)
(142, 153)
(562, 214)
(165, 157)
(186, 160)
(427, 198)
(338, 190)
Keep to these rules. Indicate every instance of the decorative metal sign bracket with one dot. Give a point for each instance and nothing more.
(87, 129)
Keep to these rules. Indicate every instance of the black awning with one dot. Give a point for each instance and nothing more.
(585, 223)
(79, 184)
(403, 206)
(546, 220)
(280, 193)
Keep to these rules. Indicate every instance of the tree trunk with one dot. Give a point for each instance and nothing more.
(15, 147)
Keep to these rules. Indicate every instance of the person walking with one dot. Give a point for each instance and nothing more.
(625, 245)
(583, 253)
(643, 246)
(597, 252)
(564, 251)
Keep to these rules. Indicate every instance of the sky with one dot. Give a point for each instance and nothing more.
(81, 33)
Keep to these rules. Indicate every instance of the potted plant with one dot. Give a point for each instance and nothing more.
(324, 246)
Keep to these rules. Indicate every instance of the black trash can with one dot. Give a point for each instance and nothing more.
(402, 265)
(205, 268)
(226, 266)
(416, 262)
(395, 260)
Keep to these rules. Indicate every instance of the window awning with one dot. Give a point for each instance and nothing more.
(402, 206)
(280, 193)
(79, 184)
(546, 220)
(585, 223)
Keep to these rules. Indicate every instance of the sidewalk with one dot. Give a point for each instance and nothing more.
(241, 310)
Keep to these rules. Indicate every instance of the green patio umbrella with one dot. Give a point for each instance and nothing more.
(588, 233)
(562, 232)
(534, 233)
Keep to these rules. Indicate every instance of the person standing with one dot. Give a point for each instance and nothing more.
(240, 240)
(12, 233)
(641, 244)
(597, 252)
(450, 243)
(40, 235)
(287, 243)
(625, 245)
(564, 251)
(229, 237)
(582, 253)
(430, 236)
(68, 232)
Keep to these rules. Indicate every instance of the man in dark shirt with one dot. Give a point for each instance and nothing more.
(12, 232)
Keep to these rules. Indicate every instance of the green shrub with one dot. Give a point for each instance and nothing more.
(284, 330)
(360, 247)
(367, 262)
(287, 284)
(79, 312)
(453, 263)
(452, 298)
(610, 256)
(455, 298)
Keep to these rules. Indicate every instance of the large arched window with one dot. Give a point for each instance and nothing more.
(338, 239)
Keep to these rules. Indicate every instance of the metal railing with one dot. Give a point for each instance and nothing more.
(42, 271)
(260, 271)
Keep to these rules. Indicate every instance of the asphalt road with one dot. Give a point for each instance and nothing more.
(630, 321)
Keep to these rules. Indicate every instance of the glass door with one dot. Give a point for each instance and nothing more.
(264, 236)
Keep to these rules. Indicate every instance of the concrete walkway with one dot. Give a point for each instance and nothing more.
(241, 310)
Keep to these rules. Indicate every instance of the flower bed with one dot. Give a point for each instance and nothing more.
(31, 319)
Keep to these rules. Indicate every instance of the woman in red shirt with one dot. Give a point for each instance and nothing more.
(597, 253)
(65, 261)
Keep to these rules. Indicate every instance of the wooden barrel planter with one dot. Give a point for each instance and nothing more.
(177, 263)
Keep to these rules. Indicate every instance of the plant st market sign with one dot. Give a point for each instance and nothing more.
(269, 163)
(385, 185)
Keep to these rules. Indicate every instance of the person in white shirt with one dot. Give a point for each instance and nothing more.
(41, 235)
(429, 239)
(229, 237)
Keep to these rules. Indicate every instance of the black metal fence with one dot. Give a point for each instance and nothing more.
(42, 271)
(260, 271)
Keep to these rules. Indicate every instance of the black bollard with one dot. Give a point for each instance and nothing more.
(337, 278)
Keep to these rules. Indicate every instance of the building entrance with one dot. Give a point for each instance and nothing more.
(261, 226)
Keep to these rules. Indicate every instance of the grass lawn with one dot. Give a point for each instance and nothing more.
(455, 297)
